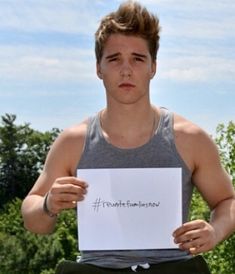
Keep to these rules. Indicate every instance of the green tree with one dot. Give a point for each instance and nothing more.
(225, 140)
(22, 153)
(28, 253)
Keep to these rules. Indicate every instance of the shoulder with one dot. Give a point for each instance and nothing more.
(184, 128)
(67, 149)
(71, 136)
(194, 143)
(74, 133)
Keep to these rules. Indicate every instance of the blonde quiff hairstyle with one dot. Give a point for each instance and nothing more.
(130, 19)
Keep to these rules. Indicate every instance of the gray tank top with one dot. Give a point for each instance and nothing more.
(159, 151)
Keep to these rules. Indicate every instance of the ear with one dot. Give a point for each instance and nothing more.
(98, 71)
(153, 69)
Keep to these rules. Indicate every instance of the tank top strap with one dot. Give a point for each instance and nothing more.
(165, 127)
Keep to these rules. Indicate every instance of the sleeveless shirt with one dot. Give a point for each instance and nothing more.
(159, 152)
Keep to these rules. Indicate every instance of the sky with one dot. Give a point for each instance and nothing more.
(47, 61)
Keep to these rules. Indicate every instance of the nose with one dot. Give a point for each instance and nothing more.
(126, 70)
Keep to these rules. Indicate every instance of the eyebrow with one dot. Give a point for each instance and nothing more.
(112, 55)
(118, 53)
(139, 55)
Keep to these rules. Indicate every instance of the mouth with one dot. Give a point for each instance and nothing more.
(126, 85)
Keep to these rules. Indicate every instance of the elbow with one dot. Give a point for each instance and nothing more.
(227, 201)
(35, 222)
(37, 229)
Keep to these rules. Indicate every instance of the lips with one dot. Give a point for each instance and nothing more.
(126, 85)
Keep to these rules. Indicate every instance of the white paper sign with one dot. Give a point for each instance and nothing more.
(130, 208)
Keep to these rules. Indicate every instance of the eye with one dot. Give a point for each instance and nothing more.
(139, 59)
(113, 59)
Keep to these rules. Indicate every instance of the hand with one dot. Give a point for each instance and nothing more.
(196, 237)
(65, 193)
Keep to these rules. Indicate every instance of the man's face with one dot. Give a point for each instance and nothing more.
(126, 69)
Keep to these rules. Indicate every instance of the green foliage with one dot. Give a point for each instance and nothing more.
(50, 271)
(225, 140)
(22, 153)
(24, 252)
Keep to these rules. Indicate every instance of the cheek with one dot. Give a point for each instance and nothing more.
(109, 75)
(108, 81)
(146, 77)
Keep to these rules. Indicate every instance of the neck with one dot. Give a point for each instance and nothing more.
(129, 127)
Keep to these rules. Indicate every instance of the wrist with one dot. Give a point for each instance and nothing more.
(218, 233)
(46, 209)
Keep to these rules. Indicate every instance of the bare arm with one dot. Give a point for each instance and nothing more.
(58, 180)
(216, 187)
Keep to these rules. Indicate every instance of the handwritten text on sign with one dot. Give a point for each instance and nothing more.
(130, 208)
(101, 204)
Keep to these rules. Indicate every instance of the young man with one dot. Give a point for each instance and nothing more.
(132, 133)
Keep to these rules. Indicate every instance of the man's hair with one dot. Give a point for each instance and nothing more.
(130, 19)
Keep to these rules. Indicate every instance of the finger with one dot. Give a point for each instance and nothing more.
(194, 250)
(65, 202)
(58, 201)
(188, 236)
(63, 197)
(68, 188)
(68, 205)
(64, 205)
(68, 197)
(197, 250)
(191, 244)
(187, 227)
(72, 180)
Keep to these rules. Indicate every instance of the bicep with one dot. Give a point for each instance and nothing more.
(61, 160)
(211, 179)
(55, 166)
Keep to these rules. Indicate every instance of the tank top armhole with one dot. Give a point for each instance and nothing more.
(86, 139)
(173, 144)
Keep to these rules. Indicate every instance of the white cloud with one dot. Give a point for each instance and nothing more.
(195, 19)
(46, 64)
(197, 69)
(199, 5)
(42, 15)
(187, 18)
